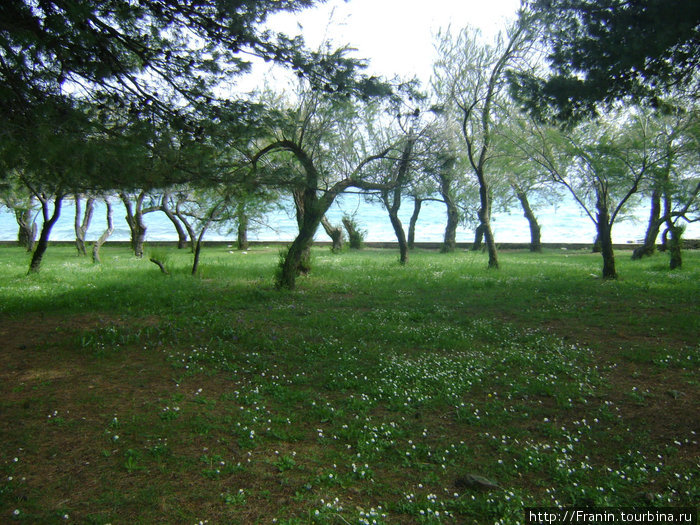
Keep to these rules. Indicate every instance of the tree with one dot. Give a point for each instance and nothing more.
(673, 179)
(82, 221)
(54, 153)
(106, 234)
(469, 78)
(410, 125)
(335, 233)
(391, 198)
(600, 51)
(316, 150)
(18, 199)
(444, 166)
(602, 164)
(167, 203)
(136, 207)
(147, 71)
(529, 184)
(204, 208)
(137, 53)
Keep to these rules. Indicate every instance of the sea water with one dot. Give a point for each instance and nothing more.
(563, 222)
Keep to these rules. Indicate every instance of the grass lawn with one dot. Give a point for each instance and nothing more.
(374, 393)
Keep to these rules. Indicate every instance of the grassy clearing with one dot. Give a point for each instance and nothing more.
(372, 394)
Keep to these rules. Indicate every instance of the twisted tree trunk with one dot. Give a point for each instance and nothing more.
(181, 234)
(417, 205)
(335, 233)
(478, 238)
(26, 234)
(605, 235)
(49, 221)
(653, 227)
(535, 230)
(81, 227)
(105, 235)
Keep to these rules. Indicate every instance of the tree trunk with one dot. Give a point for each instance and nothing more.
(181, 234)
(190, 231)
(296, 262)
(105, 235)
(485, 220)
(401, 237)
(675, 245)
(198, 246)
(664, 241)
(597, 246)
(242, 237)
(301, 199)
(478, 238)
(134, 218)
(355, 236)
(605, 236)
(335, 233)
(417, 204)
(26, 235)
(649, 246)
(392, 199)
(535, 230)
(81, 227)
(449, 243)
(242, 234)
(398, 227)
(49, 222)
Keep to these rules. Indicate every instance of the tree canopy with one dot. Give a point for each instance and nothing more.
(604, 50)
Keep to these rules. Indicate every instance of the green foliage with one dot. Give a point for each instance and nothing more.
(591, 67)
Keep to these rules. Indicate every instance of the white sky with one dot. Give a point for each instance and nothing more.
(397, 36)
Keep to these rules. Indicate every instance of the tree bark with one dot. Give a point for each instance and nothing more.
(26, 234)
(181, 234)
(478, 238)
(190, 231)
(535, 230)
(450, 240)
(335, 233)
(297, 260)
(398, 227)
(198, 246)
(242, 231)
(304, 201)
(597, 246)
(82, 222)
(392, 199)
(449, 243)
(417, 205)
(653, 227)
(355, 236)
(485, 219)
(242, 236)
(105, 235)
(605, 235)
(134, 218)
(675, 243)
(49, 221)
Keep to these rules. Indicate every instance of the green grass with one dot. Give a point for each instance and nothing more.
(365, 396)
